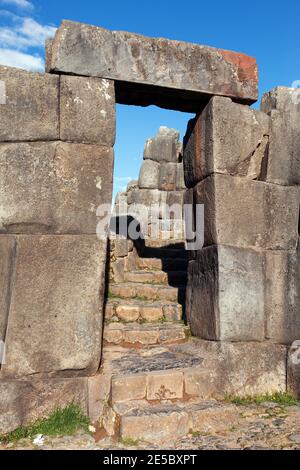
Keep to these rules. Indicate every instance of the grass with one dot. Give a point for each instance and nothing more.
(63, 421)
(282, 399)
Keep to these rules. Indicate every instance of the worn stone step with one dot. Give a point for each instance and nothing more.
(157, 277)
(131, 290)
(135, 334)
(142, 311)
(139, 420)
(165, 264)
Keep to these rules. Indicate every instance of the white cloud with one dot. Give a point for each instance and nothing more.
(23, 4)
(25, 33)
(21, 60)
(21, 40)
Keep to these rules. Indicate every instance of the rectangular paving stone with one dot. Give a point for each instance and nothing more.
(165, 385)
(185, 73)
(87, 110)
(128, 388)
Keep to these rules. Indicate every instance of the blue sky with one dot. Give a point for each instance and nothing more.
(266, 30)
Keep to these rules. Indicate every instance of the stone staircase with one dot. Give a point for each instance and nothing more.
(150, 362)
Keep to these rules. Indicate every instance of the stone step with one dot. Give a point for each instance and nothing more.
(139, 420)
(143, 311)
(135, 334)
(140, 291)
(167, 244)
(172, 278)
(165, 264)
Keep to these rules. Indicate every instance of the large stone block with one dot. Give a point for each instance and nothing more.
(53, 187)
(226, 294)
(149, 175)
(55, 318)
(87, 110)
(185, 73)
(164, 147)
(30, 108)
(226, 138)
(7, 256)
(167, 176)
(245, 213)
(24, 401)
(283, 296)
(283, 105)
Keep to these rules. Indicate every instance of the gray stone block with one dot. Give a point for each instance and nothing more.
(149, 175)
(87, 110)
(283, 296)
(164, 147)
(226, 294)
(226, 138)
(180, 184)
(24, 401)
(283, 105)
(31, 106)
(53, 187)
(240, 212)
(55, 317)
(176, 66)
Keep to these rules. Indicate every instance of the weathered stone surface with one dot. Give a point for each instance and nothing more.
(53, 187)
(30, 111)
(184, 73)
(211, 417)
(240, 369)
(180, 184)
(226, 294)
(7, 258)
(151, 314)
(226, 138)
(165, 385)
(167, 176)
(164, 146)
(149, 174)
(282, 297)
(117, 270)
(245, 213)
(293, 370)
(87, 110)
(55, 317)
(24, 401)
(120, 247)
(283, 105)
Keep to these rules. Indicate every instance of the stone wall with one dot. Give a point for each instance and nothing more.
(243, 165)
(56, 164)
